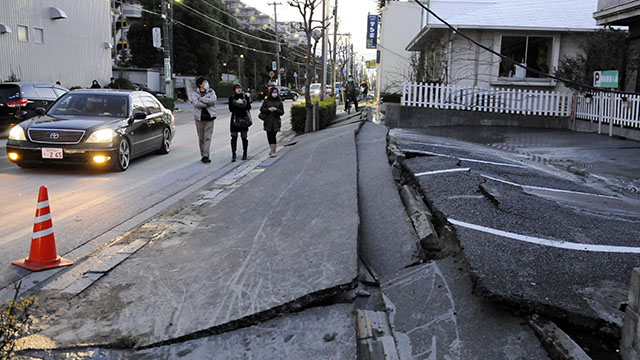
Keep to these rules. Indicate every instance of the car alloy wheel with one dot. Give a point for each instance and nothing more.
(124, 155)
(166, 141)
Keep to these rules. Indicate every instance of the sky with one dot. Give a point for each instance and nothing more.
(352, 18)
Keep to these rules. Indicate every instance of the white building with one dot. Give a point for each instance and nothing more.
(56, 40)
(400, 22)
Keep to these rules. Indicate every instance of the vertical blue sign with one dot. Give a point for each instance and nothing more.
(372, 31)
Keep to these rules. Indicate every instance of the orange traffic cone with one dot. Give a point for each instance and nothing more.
(43, 255)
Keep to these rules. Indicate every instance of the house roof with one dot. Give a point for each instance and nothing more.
(530, 15)
(563, 15)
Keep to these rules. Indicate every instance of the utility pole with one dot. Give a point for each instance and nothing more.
(275, 18)
(335, 47)
(323, 81)
(166, 43)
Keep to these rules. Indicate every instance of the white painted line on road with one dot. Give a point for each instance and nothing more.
(547, 242)
(545, 188)
(434, 172)
(463, 159)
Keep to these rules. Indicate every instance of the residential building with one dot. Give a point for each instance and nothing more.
(400, 21)
(624, 13)
(56, 40)
(533, 33)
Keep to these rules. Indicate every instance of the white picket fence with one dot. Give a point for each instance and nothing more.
(624, 111)
(510, 101)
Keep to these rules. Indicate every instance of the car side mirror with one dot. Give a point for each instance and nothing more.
(40, 111)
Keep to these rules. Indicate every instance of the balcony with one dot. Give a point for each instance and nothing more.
(617, 12)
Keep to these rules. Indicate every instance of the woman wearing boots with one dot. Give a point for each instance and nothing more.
(239, 105)
(271, 111)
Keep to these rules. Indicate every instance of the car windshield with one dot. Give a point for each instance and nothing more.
(91, 105)
(314, 86)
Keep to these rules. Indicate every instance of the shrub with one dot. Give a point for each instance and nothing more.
(14, 322)
(326, 110)
(124, 84)
(167, 102)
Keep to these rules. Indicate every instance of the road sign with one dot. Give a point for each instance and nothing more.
(272, 74)
(157, 37)
(295, 74)
(371, 64)
(372, 31)
(606, 79)
(274, 66)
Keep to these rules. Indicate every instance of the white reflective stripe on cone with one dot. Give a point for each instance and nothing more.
(43, 204)
(42, 233)
(43, 218)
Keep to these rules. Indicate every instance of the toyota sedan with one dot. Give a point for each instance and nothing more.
(99, 128)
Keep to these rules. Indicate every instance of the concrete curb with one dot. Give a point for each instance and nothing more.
(421, 218)
(557, 343)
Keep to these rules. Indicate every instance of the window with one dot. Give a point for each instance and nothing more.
(23, 33)
(534, 51)
(138, 106)
(46, 93)
(38, 35)
(152, 105)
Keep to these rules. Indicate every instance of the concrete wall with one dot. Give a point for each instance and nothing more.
(605, 4)
(400, 22)
(73, 50)
(397, 116)
(630, 344)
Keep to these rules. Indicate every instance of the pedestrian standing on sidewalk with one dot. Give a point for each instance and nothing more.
(112, 84)
(271, 111)
(239, 106)
(204, 102)
(350, 94)
(95, 85)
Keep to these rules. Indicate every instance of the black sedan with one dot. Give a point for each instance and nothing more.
(102, 128)
(286, 93)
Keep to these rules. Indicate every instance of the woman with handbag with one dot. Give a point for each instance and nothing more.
(271, 111)
(239, 106)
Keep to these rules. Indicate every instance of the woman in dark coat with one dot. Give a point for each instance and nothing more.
(239, 105)
(271, 111)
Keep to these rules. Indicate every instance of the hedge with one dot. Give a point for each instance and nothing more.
(167, 102)
(326, 110)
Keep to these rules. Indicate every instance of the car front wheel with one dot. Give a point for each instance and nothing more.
(166, 141)
(121, 162)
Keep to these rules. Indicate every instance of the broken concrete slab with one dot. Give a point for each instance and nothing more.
(282, 241)
(385, 223)
(435, 316)
(317, 333)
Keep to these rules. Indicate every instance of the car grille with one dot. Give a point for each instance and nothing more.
(55, 136)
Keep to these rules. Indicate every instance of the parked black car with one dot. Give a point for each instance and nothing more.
(100, 128)
(19, 100)
(286, 93)
(140, 87)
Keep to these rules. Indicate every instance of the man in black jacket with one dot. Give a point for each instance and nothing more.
(350, 88)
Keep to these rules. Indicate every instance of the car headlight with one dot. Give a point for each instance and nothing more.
(102, 136)
(17, 133)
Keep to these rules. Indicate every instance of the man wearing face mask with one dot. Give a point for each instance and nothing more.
(204, 103)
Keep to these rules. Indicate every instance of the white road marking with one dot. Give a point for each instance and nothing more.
(545, 188)
(442, 171)
(463, 159)
(550, 243)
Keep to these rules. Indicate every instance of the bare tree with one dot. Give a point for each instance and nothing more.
(310, 26)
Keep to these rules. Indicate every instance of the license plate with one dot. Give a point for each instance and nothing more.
(51, 153)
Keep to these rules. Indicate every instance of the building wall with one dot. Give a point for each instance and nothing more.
(471, 66)
(605, 4)
(73, 51)
(400, 23)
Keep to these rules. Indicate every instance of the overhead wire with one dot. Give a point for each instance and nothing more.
(504, 57)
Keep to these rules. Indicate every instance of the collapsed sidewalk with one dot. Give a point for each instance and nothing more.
(262, 261)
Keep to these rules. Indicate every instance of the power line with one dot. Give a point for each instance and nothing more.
(536, 71)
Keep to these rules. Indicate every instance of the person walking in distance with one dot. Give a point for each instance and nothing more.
(350, 93)
(239, 106)
(271, 111)
(204, 103)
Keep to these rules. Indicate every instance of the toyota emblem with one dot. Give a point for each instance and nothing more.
(54, 136)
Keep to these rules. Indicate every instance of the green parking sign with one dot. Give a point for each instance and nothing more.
(606, 79)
